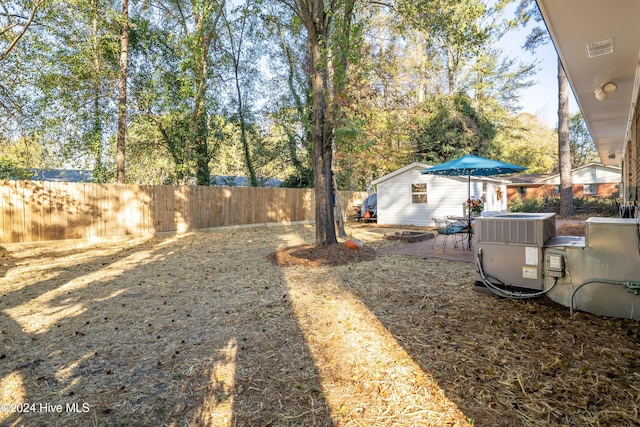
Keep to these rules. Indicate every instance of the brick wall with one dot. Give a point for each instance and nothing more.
(532, 192)
(631, 167)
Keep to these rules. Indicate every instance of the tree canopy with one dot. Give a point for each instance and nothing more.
(252, 88)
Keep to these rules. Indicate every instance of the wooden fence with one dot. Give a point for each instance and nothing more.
(37, 211)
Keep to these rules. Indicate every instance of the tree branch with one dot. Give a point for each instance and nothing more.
(15, 41)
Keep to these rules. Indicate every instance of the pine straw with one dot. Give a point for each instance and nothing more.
(203, 329)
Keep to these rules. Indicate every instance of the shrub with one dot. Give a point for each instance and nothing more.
(593, 205)
(526, 205)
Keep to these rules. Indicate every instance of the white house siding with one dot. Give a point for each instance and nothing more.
(590, 174)
(395, 206)
(491, 202)
(445, 196)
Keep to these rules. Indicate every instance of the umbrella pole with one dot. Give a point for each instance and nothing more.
(469, 212)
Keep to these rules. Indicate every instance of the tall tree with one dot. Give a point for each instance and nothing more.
(290, 100)
(122, 94)
(526, 141)
(94, 138)
(76, 86)
(66, 87)
(564, 147)
(373, 140)
(236, 51)
(175, 88)
(583, 150)
(450, 127)
(328, 28)
(526, 12)
(453, 33)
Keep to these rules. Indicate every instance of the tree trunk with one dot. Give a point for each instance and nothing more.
(322, 159)
(199, 131)
(321, 132)
(201, 149)
(122, 97)
(95, 140)
(246, 150)
(300, 108)
(564, 149)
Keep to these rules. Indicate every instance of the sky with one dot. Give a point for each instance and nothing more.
(542, 98)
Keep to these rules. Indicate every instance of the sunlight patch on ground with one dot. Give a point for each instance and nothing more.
(47, 260)
(35, 318)
(291, 239)
(52, 296)
(67, 374)
(365, 372)
(11, 394)
(217, 406)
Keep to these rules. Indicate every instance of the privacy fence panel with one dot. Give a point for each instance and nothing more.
(36, 211)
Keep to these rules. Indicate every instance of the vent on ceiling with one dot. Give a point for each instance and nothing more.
(603, 47)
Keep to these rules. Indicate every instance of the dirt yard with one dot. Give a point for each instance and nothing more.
(206, 329)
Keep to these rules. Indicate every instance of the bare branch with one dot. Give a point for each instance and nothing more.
(15, 41)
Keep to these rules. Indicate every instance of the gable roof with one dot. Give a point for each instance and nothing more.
(421, 166)
(541, 179)
(611, 168)
(532, 178)
(400, 171)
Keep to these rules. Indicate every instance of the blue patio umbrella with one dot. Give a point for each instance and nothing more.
(470, 165)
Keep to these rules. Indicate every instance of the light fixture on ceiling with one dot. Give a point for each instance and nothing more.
(612, 155)
(603, 91)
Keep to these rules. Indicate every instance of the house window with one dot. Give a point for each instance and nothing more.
(419, 193)
(589, 189)
(556, 189)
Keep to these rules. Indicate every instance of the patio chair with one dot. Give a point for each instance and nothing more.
(446, 229)
(466, 233)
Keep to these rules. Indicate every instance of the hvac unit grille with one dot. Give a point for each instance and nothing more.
(508, 231)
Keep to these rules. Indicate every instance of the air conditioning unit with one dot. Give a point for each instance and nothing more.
(519, 256)
(510, 247)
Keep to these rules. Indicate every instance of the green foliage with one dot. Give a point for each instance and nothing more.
(593, 205)
(527, 11)
(450, 127)
(603, 206)
(299, 179)
(583, 150)
(535, 204)
(186, 114)
(175, 82)
(64, 72)
(9, 169)
(524, 140)
(455, 31)
(148, 158)
(496, 82)
(21, 155)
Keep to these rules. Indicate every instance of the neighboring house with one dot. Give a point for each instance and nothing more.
(408, 197)
(62, 175)
(593, 179)
(243, 181)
